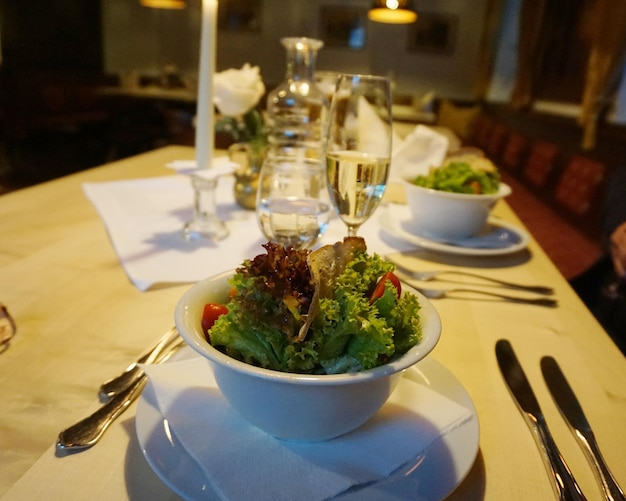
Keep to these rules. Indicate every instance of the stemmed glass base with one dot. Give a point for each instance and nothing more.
(205, 224)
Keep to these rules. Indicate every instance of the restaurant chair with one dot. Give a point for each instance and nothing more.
(458, 118)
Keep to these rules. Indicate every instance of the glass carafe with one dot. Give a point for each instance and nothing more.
(297, 108)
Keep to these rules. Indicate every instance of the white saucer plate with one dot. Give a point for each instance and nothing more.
(394, 218)
(434, 474)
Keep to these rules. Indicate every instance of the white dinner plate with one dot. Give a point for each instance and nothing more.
(395, 220)
(434, 474)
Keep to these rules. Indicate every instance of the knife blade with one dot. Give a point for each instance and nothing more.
(571, 410)
(561, 478)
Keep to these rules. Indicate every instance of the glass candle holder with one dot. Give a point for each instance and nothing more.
(205, 224)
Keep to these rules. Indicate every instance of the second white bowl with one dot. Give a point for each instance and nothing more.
(443, 215)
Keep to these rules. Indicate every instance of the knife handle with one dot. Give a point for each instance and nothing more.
(88, 431)
(610, 487)
(562, 480)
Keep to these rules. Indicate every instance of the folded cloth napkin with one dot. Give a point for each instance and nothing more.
(421, 149)
(145, 217)
(242, 462)
(372, 130)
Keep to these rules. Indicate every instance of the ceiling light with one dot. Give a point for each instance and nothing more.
(164, 4)
(392, 12)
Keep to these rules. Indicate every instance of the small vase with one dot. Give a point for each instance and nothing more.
(250, 157)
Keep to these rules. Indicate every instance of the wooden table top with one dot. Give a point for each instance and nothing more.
(80, 320)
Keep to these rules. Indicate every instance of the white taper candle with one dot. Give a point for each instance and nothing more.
(205, 134)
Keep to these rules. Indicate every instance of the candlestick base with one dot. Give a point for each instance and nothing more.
(209, 229)
(205, 224)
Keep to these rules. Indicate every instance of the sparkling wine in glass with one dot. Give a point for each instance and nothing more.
(357, 147)
(293, 207)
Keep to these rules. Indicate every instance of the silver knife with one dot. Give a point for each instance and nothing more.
(88, 431)
(561, 477)
(573, 414)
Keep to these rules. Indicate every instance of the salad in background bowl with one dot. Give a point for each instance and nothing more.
(454, 200)
(308, 350)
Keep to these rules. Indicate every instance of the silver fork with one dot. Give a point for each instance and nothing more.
(443, 293)
(432, 275)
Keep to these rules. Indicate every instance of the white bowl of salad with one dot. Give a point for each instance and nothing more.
(307, 345)
(454, 200)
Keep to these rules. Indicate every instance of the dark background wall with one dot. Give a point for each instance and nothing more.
(52, 35)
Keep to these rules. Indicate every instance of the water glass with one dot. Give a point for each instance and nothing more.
(293, 207)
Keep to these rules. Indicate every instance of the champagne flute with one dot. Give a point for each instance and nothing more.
(357, 147)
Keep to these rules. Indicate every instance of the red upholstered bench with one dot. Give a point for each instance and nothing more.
(579, 183)
(555, 194)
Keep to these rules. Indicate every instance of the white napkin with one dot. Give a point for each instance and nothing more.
(372, 130)
(145, 217)
(421, 149)
(242, 462)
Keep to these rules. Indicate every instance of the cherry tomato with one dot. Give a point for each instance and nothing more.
(380, 286)
(475, 185)
(210, 314)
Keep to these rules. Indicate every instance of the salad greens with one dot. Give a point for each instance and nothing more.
(350, 331)
(476, 176)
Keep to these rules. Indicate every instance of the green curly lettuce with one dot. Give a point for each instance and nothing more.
(349, 333)
(460, 177)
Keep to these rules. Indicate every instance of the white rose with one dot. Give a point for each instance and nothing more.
(237, 91)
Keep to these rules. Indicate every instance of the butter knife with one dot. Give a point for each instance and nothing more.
(574, 416)
(88, 431)
(561, 478)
